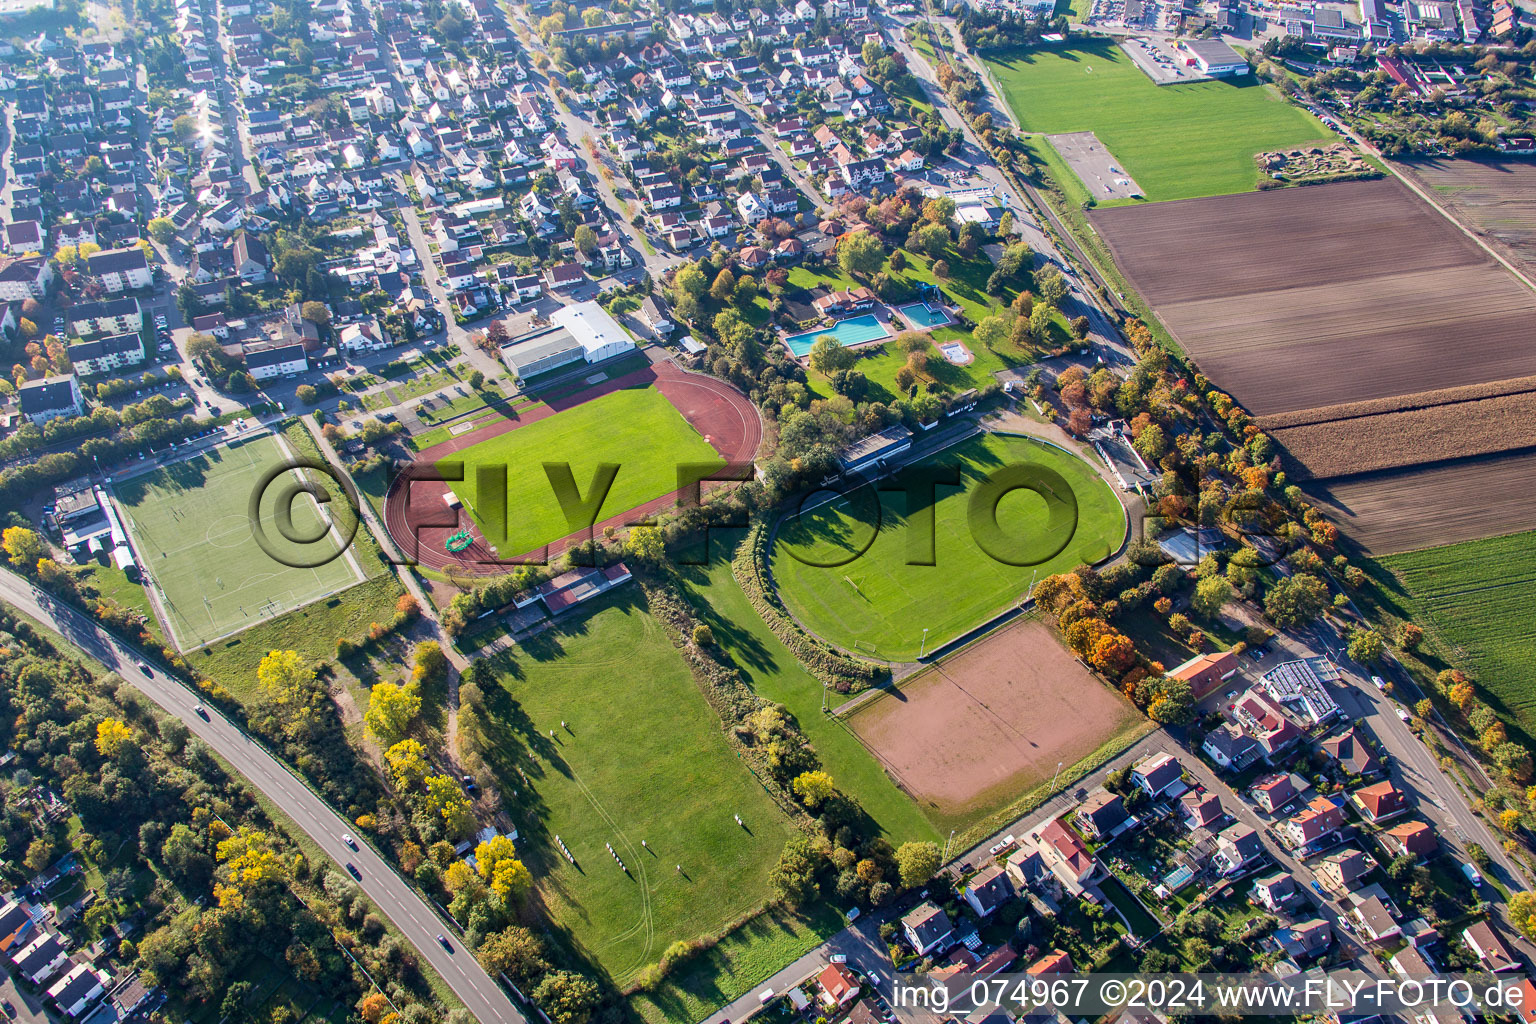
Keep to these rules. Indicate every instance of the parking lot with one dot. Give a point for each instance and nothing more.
(1159, 61)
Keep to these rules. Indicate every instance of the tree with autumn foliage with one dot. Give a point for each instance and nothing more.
(1113, 654)
(110, 736)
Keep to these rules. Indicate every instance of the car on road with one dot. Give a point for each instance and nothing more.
(838, 958)
(349, 841)
(352, 870)
(1404, 715)
(1378, 682)
(1319, 889)
(202, 712)
(443, 941)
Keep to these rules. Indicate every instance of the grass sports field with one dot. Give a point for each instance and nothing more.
(879, 603)
(1478, 598)
(191, 529)
(1177, 141)
(637, 429)
(642, 757)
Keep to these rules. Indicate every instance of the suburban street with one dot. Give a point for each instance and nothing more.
(399, 902)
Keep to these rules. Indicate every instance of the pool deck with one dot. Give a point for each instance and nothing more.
(880, 312)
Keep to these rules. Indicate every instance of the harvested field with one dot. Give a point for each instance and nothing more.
(1384, 349)
(1496, 198)
(1405, 510)
(1410, 437)
(988, 724)
(1323, 295)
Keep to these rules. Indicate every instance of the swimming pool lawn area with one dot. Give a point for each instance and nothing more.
(856, 330)
(923, 316)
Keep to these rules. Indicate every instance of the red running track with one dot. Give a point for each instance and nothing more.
(421, 522)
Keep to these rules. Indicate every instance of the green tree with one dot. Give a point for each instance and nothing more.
(992, 331)
(724, 286)
(1365, 645)
(1296, 601)
(316, 313)
(476, 379)
(930, 239)
(568, 997)
(161, 229)
(645, 543)
(391, 708)
(828, 356)
(813, 788)
(1211, 594)
(306, 393)
(793, 878)
(1174, 703)
(516, 952)
(860, 254)
(23, 546)
(585, 239)
(690, 280)
(916, 862)
(1050, 285)
(1522, 913)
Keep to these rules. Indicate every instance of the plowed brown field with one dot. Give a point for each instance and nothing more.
(1381, 346)
(1497, 198)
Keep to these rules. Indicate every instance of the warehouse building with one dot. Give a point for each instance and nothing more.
(580, 333)
(1215, 58)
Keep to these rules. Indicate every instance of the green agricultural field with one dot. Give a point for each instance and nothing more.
(879, 603)
(640, 757)
(1477, 598)
(637, 429)
(1177, 141)
(192, 530)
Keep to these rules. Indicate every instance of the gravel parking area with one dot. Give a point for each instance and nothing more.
(1096, 166)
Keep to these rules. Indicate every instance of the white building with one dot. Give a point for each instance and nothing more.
(266, 363)
(599, 334)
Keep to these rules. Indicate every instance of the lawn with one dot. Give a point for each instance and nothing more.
(1177, 141)
(637, 756)
(1476, 599)
(195, 538)
(879, 603)
(773, 672)
(611, 429)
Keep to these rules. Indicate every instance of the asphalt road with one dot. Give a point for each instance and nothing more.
(409, 912)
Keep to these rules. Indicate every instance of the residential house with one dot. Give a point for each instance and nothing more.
(987, 890)
(112, 316)
(1350, 751)
(1159, 776)
(40, 959)
(1275, 791)
(526, 287)
(119, 270)
(211, 323)
(927, 928)
(1237, 847)
(1103, 815)
(1380, 802)
(1202, 810)
(1206, 672)
(655, 318)
(1376, 919)
(1489, 949)
(78, 989)
(51, 397)
(276, 361)
(838, 986)
(1309, 829)
(27, 278)
(751, 208)
(106, 354)
(1410, 837)
(1231, 748)
(1026, 868)
(15, 925)
(250, 258)
(1275, 892)
(565, 275)
(22, 237)
(362, 336)
(1063, 851)
(1304, 939)
(1343, 870)
(1269, 725)
(1057, 961)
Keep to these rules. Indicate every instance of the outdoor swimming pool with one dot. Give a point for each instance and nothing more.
(856, 330)
(923, 316)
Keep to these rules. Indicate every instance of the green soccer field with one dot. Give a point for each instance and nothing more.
(1177, 141)
(1477, 598)
(640, 757)
(192, 532)
(878, 603)
(637, 429)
